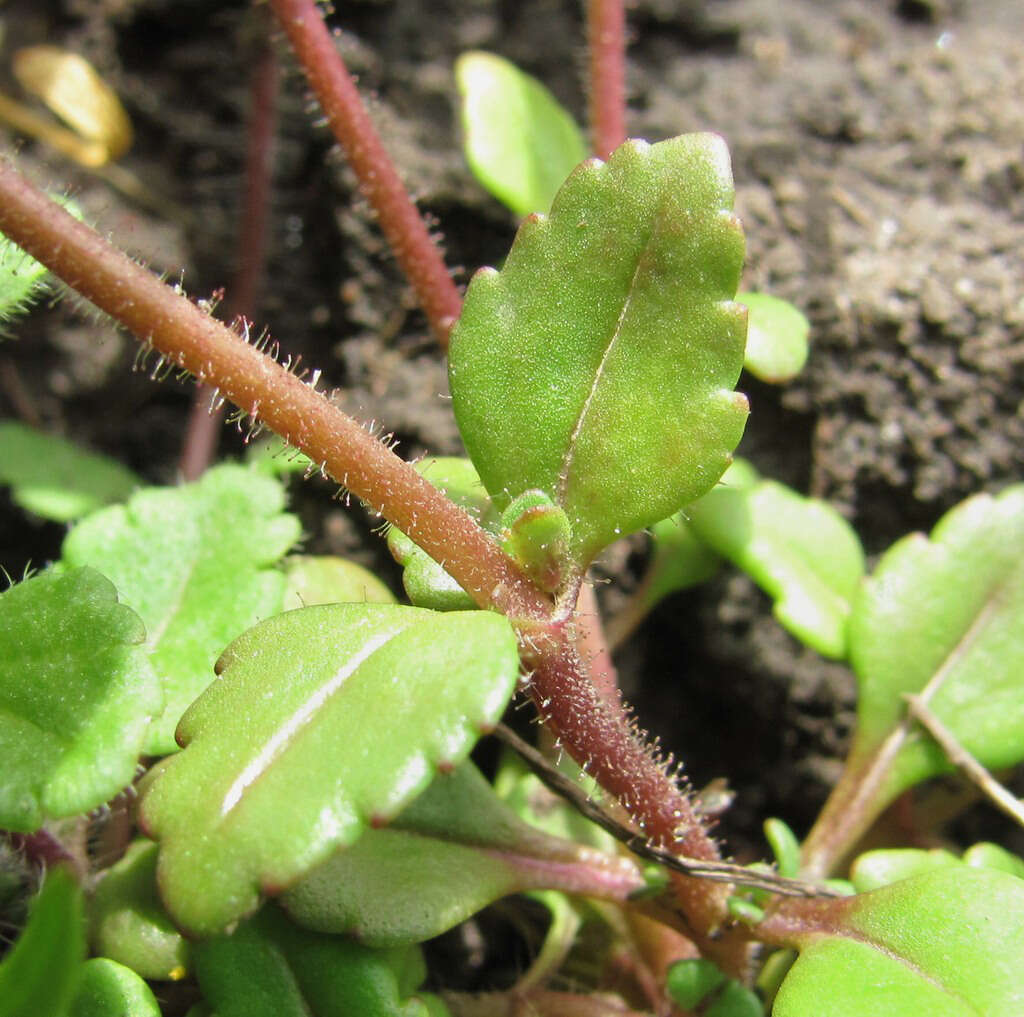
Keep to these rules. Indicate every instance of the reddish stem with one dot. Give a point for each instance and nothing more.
(405, 230)
(190, 339)
(606, 62)
(593, 647)
(203, 430)
(599, 737)
(46, 851)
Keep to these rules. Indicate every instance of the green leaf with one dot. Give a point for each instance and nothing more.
(679, 560)
(941, 617)
(875, 869)
(38, 976)
(128, 923)
(324, 720)
(735, 1000)
(598, 365)
(455, 850)
(519, 142)
(799, 550)
(888, 865)
(55, 479)
(776, 337)
(785, 847)
(535, 532)
(992, 856)
(947, 943)
(323, 579)
(426, 582)
(77, 694)
(109, 989)
(196, 562)
(697, 984)
(531, 800)
(270, 968)
(690, 981)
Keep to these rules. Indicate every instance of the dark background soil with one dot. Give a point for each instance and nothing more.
(878, 150)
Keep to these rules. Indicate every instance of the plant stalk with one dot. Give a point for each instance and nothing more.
(606, 65)
(189, 339)
(855, 803)
(203, 429)
(602, 740)
(406, 233)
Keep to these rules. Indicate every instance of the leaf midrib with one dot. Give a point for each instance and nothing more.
(285, 732)
(570, 449)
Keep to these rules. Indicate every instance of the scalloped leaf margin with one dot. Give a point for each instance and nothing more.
(598, 365)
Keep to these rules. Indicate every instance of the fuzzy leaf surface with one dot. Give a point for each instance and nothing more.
(455, 850)
(197, 563)
(21, 279)
(519, 142)
(942, 617)
(947, 943)
(56, 479)
(108, 989)
(799, 550)
(270, 968)
(598, 364)
(38, 975)
(324, 720)
(77, 694)
(776, 337)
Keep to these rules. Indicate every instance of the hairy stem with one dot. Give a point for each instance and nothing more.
(407, 234)
(203, 429)
(593, 647)
(600, 739)
(190, 339)
(606, 64)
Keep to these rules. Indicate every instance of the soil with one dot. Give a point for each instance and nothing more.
(878, 150)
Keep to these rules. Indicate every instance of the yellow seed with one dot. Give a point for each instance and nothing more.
(70, 86)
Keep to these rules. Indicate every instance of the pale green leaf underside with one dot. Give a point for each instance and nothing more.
(942, 617)
(598, 365)
(776, 337)
(324, 720)
(197, 563)
(56, 479)
(799, 550)
(270, 968)
(455, 850)
(128, 922)
(77, 694)
(519, 142)
(948, 943)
